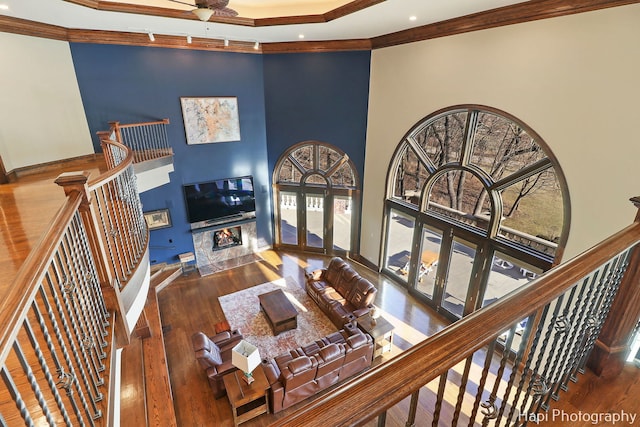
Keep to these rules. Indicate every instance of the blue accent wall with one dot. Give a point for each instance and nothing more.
(282, 100)
(318, 96)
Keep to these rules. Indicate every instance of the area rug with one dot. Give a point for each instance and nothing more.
(242, 310)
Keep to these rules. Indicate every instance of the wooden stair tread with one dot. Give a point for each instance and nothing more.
(159, 396)
(146, 387)
(132, 403)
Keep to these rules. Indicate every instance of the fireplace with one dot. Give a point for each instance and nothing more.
(227, 238)
(224, 246)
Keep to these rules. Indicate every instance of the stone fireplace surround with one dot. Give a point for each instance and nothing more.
(208, 259)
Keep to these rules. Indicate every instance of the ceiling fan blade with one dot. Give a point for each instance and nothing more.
(182, 2)
(225, 12)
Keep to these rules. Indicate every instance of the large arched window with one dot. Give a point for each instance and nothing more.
(476, 206)
(317, 198)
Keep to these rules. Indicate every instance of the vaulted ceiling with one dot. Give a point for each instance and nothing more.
(274, 25)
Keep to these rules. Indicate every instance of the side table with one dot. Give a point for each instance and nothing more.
(380, 330)
(187, 262)
(247, 401)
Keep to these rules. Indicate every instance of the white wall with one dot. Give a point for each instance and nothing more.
(575, 80)
(41, 114)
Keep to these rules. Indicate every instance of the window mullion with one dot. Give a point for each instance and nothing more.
(467, 141)
(526, 172)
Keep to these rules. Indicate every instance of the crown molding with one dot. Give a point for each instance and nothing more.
(25, 27)
(336, 13)
(161, 40)
(323, 46)
(508, 15)
(38, 29)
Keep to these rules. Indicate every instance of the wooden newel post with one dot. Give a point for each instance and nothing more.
(115, 127)
(612, 346)
(76, 182)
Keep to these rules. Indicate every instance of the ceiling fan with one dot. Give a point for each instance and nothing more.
(204, 9)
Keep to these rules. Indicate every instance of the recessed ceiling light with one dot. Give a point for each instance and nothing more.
(4, 7)
(300, 36)
(413, 18)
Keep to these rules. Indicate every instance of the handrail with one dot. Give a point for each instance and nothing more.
(64, 306)
(53, 327)
(26, 282)
(147, 140)
(118, 212)
(375, 391)
(133, 125)
(114, 170)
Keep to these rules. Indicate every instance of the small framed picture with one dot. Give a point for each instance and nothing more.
(158, 219)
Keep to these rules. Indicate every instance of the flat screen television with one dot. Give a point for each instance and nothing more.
(220, 200)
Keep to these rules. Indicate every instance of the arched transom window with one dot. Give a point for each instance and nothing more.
(475, 207)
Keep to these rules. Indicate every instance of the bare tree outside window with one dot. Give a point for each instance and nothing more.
(481, 149)
(475, 208)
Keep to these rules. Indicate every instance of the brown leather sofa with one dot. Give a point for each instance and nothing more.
(340, 292)
(214, 356)
(305, 371)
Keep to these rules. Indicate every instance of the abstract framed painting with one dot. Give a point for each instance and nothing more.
(210, 119)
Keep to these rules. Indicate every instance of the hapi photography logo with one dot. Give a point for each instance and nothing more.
(561, 417)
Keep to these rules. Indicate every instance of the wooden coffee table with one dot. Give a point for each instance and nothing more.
(280, 313)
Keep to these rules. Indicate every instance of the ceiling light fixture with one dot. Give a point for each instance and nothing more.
(152, 37)
(189, 39)
(256, 46)
(226, 42)
(4, 7)
(413, 18)
(203, 13)
(300, 36)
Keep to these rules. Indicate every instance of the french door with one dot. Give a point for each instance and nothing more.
(316, 200)
(316, 220)
(444, 270)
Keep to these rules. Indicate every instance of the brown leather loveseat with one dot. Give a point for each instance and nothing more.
(340, 292)
(305, 371)
(214, 356)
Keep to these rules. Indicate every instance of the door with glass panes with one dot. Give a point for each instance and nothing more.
(316, 199)
(444, 271)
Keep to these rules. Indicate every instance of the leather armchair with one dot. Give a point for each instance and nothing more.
(214, 356)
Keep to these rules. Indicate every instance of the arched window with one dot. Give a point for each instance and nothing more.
(317, 199)
(475, 207)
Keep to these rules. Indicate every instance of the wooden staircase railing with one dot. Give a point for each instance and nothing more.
(147, 141)
(503, 364)
(59, 323)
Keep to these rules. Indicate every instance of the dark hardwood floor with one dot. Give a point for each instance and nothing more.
(27, 207)
(191, 304)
